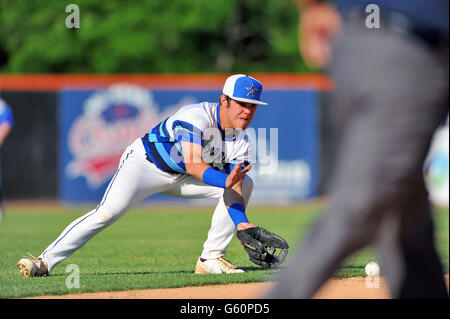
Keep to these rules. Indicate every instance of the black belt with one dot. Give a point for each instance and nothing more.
(148, 158)
(145, 142)
(147, 151)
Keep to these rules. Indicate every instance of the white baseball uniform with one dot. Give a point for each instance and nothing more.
(154, 164)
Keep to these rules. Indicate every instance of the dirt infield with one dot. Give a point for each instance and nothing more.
(348, 288)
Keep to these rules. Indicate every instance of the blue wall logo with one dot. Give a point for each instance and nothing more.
(110, 121)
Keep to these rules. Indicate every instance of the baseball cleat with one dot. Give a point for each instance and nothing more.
(215, 266)
(34, 267)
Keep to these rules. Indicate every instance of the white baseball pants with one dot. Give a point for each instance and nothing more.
(137, 178)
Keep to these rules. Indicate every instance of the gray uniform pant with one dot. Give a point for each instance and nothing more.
(391, 95)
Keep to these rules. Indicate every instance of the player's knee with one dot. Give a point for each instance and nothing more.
(105, 216)
(110, 213)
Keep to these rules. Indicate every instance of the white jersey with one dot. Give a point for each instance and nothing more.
(200, 124)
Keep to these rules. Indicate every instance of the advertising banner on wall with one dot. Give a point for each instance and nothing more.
(97, 125)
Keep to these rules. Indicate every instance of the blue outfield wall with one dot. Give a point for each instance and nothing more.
(95, 127)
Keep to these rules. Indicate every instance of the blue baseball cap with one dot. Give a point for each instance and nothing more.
(243, 88)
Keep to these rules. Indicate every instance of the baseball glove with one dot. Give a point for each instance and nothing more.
(261, 245)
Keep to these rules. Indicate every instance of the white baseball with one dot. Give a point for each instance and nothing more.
(372, 269)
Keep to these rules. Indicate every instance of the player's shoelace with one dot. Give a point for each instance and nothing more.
(225, 265)
(32, 257)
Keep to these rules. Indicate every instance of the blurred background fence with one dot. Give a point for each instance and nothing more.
(72, 129)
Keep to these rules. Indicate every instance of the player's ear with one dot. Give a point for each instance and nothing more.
(224, 100)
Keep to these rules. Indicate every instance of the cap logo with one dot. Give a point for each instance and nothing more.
(251, 90)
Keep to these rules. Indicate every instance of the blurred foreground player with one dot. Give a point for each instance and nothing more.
(6, 124)
(391, 95)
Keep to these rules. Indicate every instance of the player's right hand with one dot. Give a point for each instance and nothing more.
(236, 175)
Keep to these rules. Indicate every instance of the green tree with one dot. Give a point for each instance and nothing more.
(150, 36)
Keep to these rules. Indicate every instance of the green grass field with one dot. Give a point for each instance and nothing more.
(153, 247)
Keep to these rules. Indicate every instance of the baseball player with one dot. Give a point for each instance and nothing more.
(6, 124)
(201, 151)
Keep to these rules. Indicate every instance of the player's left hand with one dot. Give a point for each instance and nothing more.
(261, 245)
(236, 175)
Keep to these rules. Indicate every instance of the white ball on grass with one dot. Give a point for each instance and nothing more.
(372, 269)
